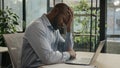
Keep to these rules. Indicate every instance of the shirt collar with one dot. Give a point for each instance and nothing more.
(47, 22)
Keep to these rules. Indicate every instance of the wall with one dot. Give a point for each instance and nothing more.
(113, 47)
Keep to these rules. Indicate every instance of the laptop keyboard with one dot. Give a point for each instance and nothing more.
(81, 61)
(85, 60)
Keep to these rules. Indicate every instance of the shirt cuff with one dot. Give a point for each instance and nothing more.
(65, 56)
(69, 39)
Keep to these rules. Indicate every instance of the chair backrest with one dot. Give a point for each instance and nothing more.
(14, 44)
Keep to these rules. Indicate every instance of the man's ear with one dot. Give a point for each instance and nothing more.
(55, 11)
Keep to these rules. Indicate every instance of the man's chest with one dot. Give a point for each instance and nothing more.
(51, 37)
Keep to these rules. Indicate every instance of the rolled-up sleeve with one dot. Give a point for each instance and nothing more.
(38, 41)
(68, 42)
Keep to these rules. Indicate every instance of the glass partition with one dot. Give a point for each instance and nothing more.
(113, 26)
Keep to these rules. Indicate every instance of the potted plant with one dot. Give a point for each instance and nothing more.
(8, 22)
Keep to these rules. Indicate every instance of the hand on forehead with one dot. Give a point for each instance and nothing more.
(70, 15)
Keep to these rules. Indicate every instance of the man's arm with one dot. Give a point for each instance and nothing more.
(68, 44)
(71, 50)
(68, 41)
(41, 46)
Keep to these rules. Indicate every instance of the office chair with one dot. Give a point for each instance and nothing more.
(14, 44)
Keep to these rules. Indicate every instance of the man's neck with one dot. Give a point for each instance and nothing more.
(50, 18)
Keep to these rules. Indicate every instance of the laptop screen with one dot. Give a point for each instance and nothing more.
(100, 46)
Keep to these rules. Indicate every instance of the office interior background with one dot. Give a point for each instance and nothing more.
(94, 20)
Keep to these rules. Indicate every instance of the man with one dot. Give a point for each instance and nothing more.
(43, 44)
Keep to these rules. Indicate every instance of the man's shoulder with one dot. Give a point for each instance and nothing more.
(36, 25)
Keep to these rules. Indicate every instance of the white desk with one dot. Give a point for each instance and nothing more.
(3, 49)
(103, 61)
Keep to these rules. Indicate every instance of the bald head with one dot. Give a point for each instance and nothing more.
(63, 9)
(60, 14)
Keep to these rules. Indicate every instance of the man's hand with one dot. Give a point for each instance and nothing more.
(70, 20)
(72, 53)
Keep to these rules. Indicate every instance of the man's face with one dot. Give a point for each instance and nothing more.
(59, 21)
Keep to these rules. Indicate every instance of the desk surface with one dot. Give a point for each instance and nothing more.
(104, 60)
(3, 49)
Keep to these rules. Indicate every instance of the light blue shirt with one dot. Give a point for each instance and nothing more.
(44, 45)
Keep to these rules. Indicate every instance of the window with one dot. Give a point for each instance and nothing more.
(35, 9)
(16, 6)
(113, 26)
(27, 9)
(85, 26)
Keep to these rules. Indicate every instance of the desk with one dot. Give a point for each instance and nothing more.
(3, 49)
(104, 60)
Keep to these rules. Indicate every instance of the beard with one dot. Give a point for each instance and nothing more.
(56, 26)
(55, 23)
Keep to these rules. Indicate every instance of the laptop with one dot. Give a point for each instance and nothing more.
(87, 60)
